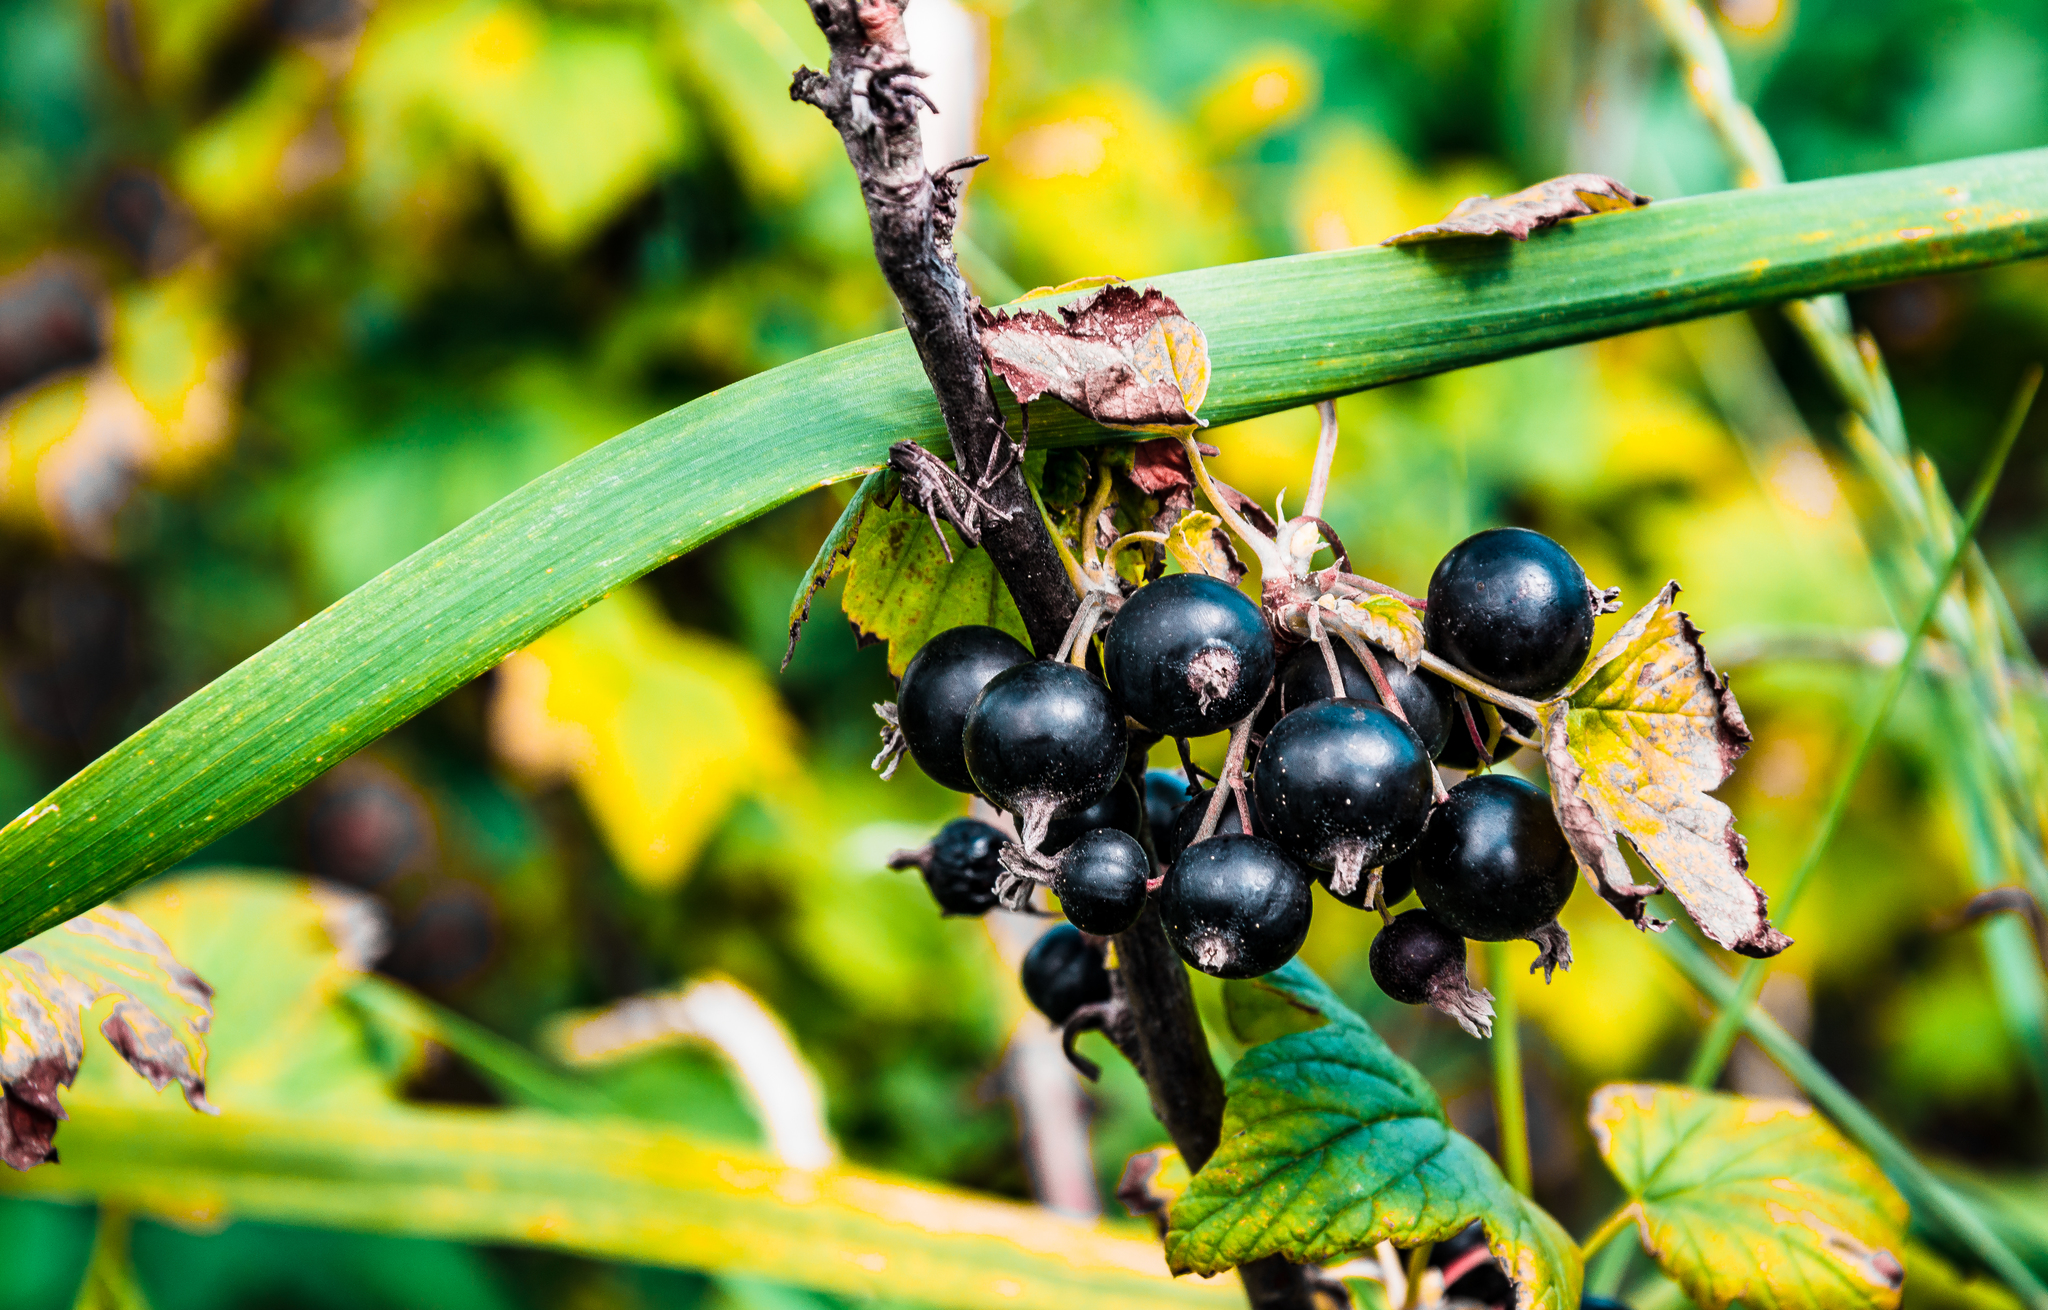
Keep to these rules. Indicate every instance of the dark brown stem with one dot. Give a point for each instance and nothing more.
(868, 93)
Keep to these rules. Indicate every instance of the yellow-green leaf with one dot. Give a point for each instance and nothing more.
(1333, 1144)
(660, 728)
(838, 544)
(1634, 748)
(901, 589)
(1761, 1202)
(158, 1021)
(1199, 545)
(1385, 621)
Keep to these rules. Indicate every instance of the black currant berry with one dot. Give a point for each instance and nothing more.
(1062, 973)
(1513, 608)
(1044, 738)
(1418, 961)
(1188, 655)
(1458, 751)
(939, 688)
(1425, 698)
(1236, 906)
(1342, 786)
(1166, 790)
(1100, 880)
(960, 866)
(1121, 810)
(1187, 821)
(1492, 863)
(1597, 1303)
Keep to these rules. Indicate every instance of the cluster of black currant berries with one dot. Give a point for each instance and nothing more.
(1339, 788)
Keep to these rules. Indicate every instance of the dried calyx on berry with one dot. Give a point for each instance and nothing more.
(1044, 739)
(1188, 655)
(1063, 972)
(1418, 961)
(960, 866)
(940, 686)
(1493, 865)
(1343, 787)
(1235, 906)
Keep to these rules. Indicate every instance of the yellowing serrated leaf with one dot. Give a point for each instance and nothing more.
(1753, 1200)
(158, 1022)
(1199, 545)
(661, 729)
(1124, 357)
(1384, 621)
(900, 589)
(1571, 196)
(1634, 749)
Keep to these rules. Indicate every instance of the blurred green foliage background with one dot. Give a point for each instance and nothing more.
(290, 287)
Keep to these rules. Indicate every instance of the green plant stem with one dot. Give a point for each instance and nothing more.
(1510, 1109)
(1929, 1197)
(1720, 1039)
(1611, 1227)
(1418, 1267)
(517, 1073)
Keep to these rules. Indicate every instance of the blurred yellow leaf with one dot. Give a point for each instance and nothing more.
(660, 728)
(1267, 88)
(1353, 187)
(575, 119)
(740, 54)
(272, 144)
(172, 40)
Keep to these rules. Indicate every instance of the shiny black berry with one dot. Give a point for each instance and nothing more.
(1235, 906)
(1120, 809)
(1188, 655)
(1425, 698)
(1512, 608)
(1166, 790)
(1100, 880)
(1342, 786)
(1062, 973)
(1413, 955)
(1492, 863)
(939, 688)
(1044, 738)
(1187, 821)
(959, 866)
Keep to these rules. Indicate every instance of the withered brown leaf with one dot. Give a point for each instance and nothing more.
(1124, 357)
(1517, 215)
(1634, 749)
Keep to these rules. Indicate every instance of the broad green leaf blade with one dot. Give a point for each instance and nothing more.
(158, 1021)
(1333, 1144)
(838, 544)
(1280, 332)
(1757, 1201)
(901, 589)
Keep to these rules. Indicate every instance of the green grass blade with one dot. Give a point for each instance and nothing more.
(1281, 332)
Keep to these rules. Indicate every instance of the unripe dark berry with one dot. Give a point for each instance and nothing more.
(1512, 608)
(1100, 880)
(1188, 655)
(1413, 951)
(1342, 786)
(1063, 972)
(1166, 790)
(1044, 738)
(1492, 863)
(939, 687)
(1236, 906)
(1120, 809)
(960, 866)
(1425, 698)
(1188, 821)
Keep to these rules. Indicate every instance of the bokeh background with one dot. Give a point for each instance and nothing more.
(290, 287)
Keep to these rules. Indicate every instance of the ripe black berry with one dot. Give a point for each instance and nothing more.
(1342, 786)
(1120, 809)
(1100, 880)
(1513, 608)
(1425, 698)
(1044, 738)
(1492, 863)
(1235, 907)
(1417, 961)
(1062, 973)
(1187, 821)
(938, 690)
(1188, 655)
(960, 866)
(1166, 790)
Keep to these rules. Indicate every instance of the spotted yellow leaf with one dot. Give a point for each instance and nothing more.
(1756, 1201)
(1199, 545)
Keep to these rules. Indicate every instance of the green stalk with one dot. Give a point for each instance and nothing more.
(1510, 1108)
(1930, 1198)
(1720, 1039)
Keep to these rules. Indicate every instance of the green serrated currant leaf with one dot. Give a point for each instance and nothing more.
(838, 544)
(1752, 1200)
(1634, 749)
(901, 589)
(1332, 1144)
